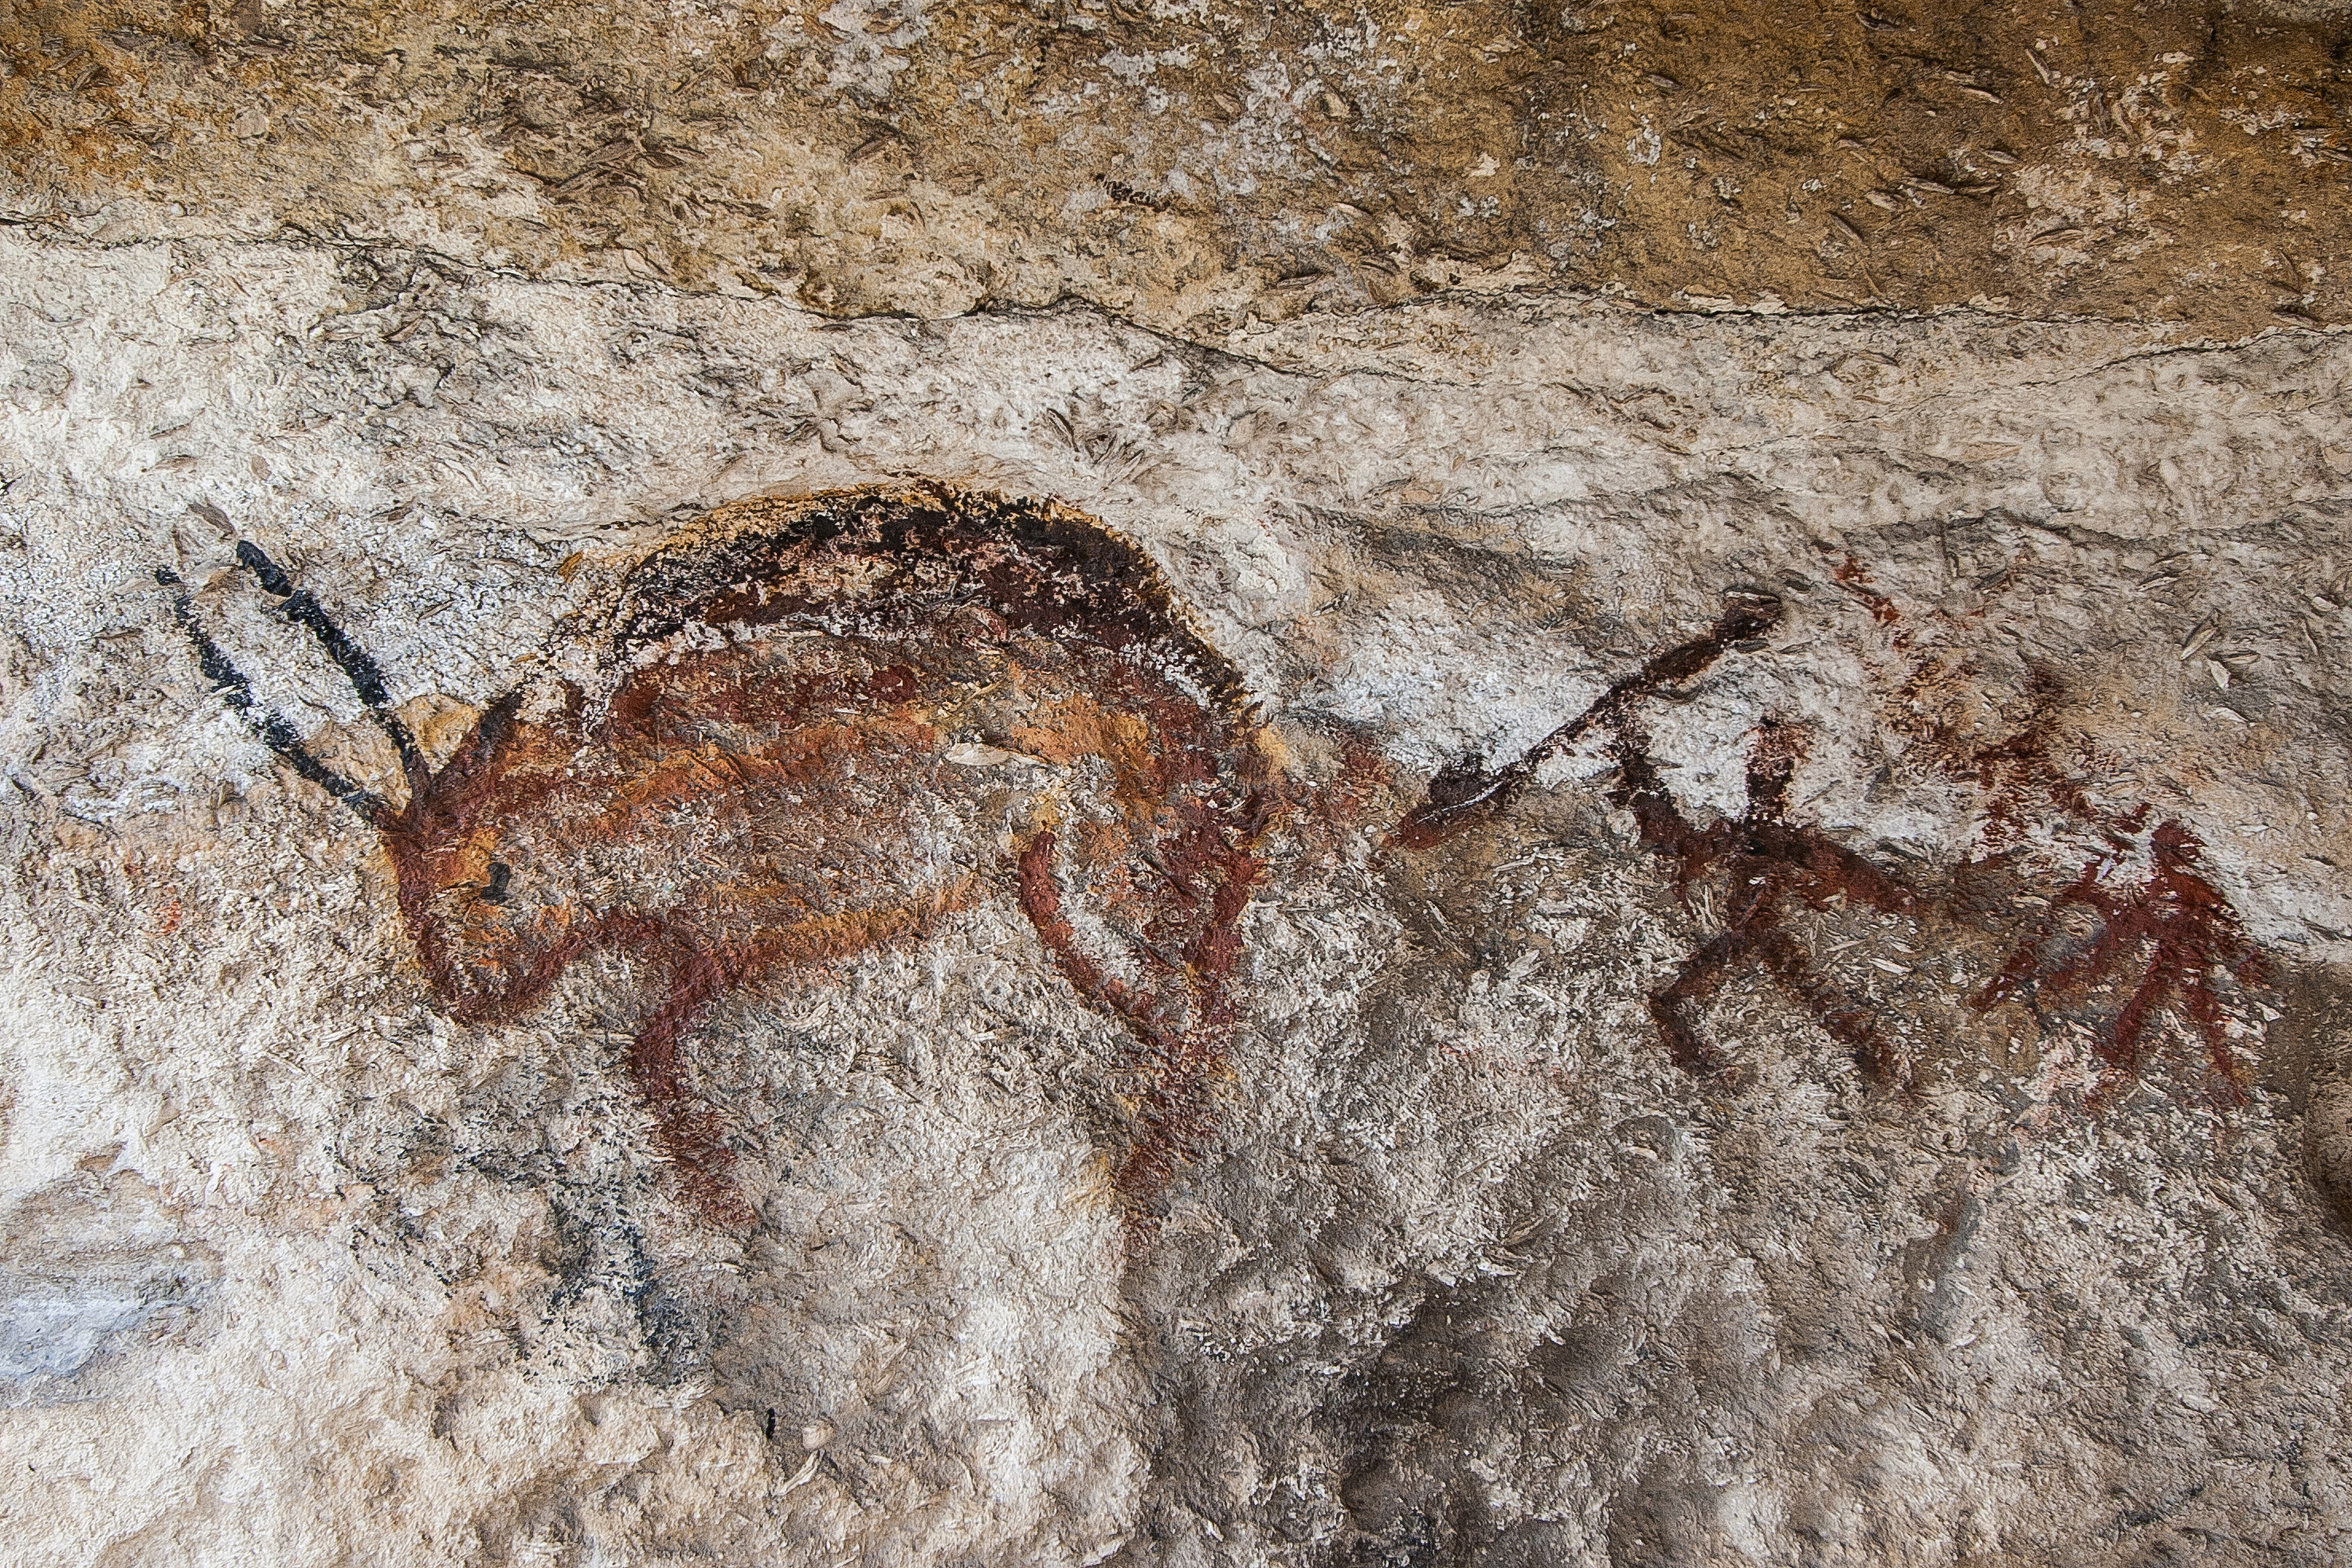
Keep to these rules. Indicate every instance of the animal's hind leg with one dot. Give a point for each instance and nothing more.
(1171, 1117)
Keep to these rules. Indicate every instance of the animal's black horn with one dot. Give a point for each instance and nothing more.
(273, 577)
(266, 722)
(362, 671)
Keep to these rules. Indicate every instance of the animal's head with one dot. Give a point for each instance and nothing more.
(486, 930)
(494, 906)
(784, 753)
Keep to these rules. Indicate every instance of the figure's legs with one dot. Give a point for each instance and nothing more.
(696, 977)
(1851, 1027)
(2196, 999)
(2120, 1050)
(1674, 1008)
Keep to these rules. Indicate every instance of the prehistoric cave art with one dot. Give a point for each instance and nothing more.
(1763, 858)
(1466, 794)
(817, 726)
(2189, 930)
(2190, 933)
(2186, 927)
(821, 725)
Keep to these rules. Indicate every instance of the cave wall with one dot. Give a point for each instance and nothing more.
(1772, 587)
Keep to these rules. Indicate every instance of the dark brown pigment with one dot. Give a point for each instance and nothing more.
(2017, 775)
(1467, 793)
(770, 786)
(2188, 925)
(1764, 861)
(2188, 931)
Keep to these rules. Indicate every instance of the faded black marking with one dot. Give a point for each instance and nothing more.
(230, 683)
(365, 676)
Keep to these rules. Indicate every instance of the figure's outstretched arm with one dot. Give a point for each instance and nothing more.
(2025, 966)
(1464, 795)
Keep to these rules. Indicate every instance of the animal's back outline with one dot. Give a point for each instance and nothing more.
(874, 567)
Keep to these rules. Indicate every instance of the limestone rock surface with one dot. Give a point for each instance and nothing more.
(1788, 1000)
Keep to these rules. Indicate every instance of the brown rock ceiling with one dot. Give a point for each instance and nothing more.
(1189, 165)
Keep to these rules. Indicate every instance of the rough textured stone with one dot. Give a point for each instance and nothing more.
(1729, 1135)
(1190, 166)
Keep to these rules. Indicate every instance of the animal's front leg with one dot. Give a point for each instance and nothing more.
(1173, 1120)
(1041, 900)
(687, 1132)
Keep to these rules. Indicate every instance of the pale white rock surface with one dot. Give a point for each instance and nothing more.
(298, 1271)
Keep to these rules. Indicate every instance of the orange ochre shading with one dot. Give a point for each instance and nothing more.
(836, 721)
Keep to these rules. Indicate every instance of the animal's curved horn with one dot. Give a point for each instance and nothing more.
(362, 671)
(266, 722)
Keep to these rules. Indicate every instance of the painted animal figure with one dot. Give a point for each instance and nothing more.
(805, 729)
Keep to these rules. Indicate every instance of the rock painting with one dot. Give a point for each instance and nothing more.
(810, 728)
(803, 729)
